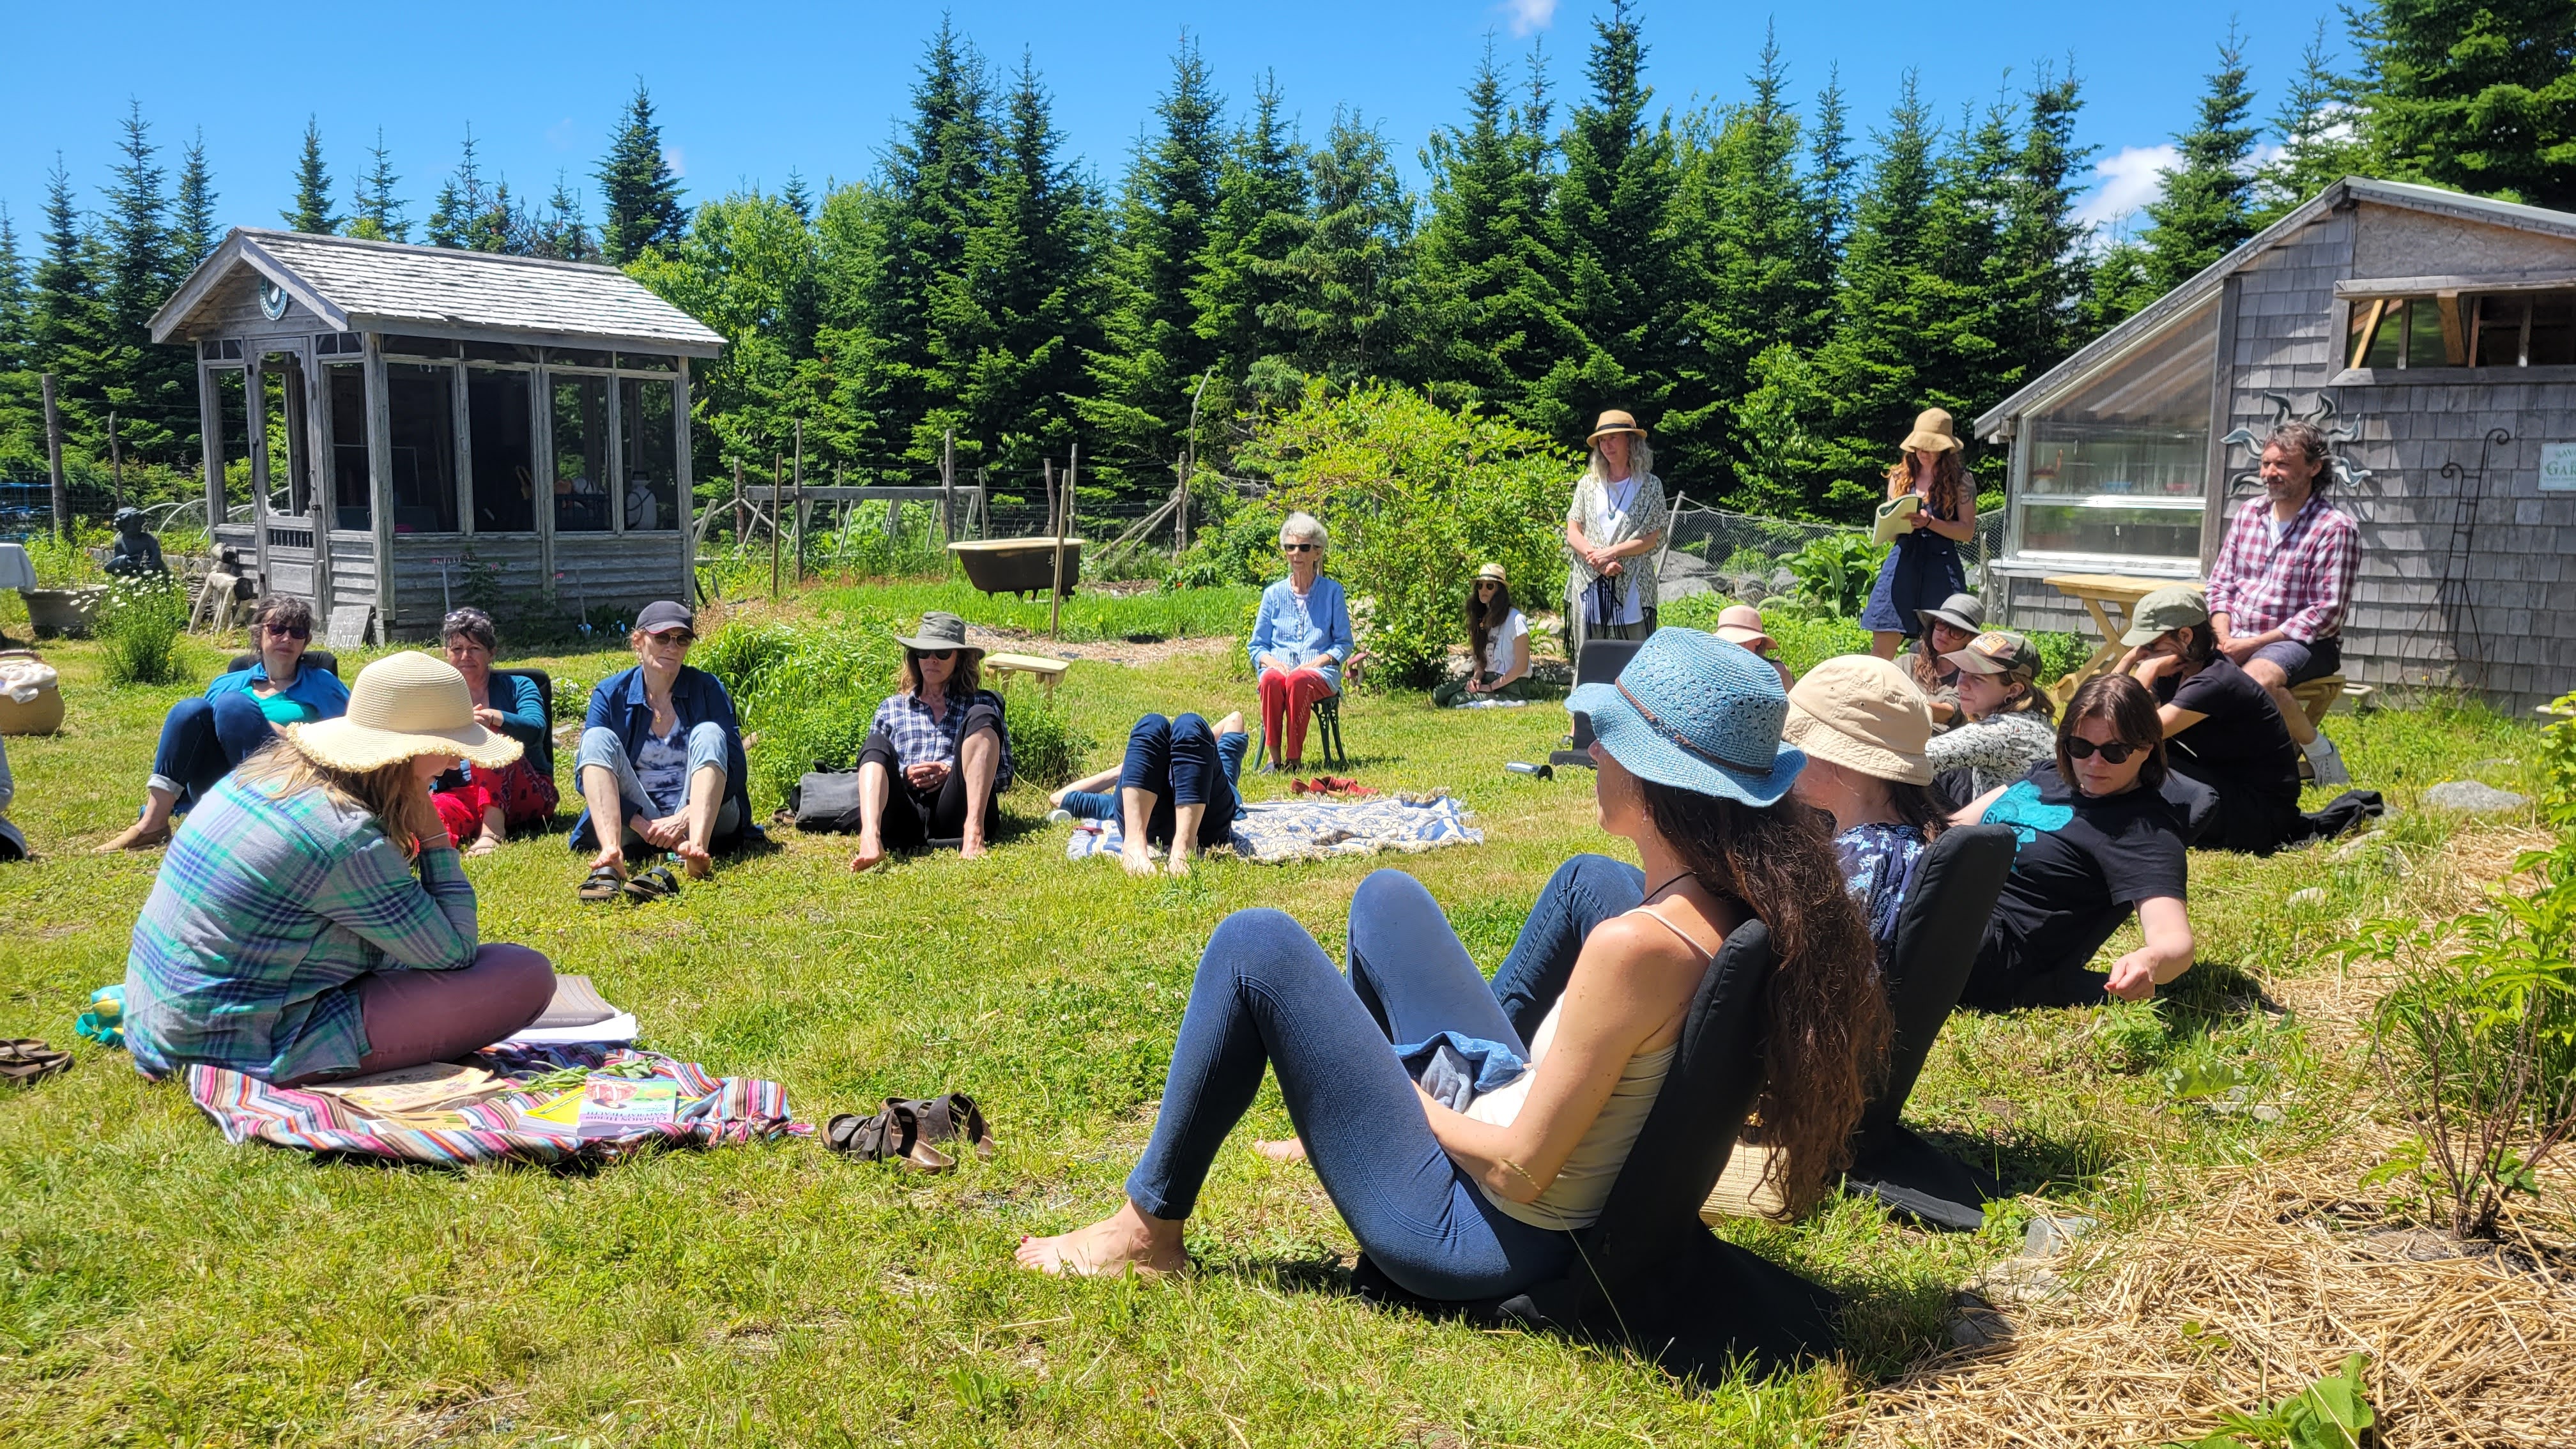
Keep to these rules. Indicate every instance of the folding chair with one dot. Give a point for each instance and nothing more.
(1600, 663)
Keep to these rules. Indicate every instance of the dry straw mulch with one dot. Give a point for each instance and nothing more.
(2463, 1350)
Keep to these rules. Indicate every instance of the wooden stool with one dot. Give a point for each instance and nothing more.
(1047, 672)
(2318, 696)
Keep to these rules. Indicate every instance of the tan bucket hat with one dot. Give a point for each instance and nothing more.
(402, 707)
(1742, 624)
(1615, 421)
(1860, 711)
(1933, 432)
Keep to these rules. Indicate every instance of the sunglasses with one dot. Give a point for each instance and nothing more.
(278, 632)
(2117, 752)
(1299, 547)
(673, 636)
(942, 655)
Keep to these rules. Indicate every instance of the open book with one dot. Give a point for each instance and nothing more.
(1891, 516)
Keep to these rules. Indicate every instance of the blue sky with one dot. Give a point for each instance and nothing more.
(751, 91)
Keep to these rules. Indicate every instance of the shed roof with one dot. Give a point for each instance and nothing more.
(2201, 287)
(373, 286)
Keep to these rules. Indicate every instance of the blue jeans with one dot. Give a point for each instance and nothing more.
(601, 746)
(1266, 995)
(203, 739)
(1182, 762)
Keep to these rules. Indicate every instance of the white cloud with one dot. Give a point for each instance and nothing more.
(1529, 15)
(562, 134)
(672, 158)
(2130, 180)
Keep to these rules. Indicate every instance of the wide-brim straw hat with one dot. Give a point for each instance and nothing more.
(1697, 713)
(1933, 432)
(1861, 712)
(1742, 624)
(1615, 421)
(1495, 572)
(939, 630)
(402, 707)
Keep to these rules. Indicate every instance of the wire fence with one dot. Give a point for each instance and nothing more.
(1750, 558)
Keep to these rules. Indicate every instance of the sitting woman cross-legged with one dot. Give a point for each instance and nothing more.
(661, 765)
(204, 738)
(1498, 650)
(2007, 724)
(1176, 788)
(2096, 840)
(312, 919)
(1478, 1204)
(936, 753)
(481, 807)
(1863, 724)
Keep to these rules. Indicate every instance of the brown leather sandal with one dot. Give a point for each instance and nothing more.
(25, 1061)
(893, 1134)
(953, 1116)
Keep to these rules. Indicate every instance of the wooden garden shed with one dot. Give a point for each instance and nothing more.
(2433, 336)
(412, 419)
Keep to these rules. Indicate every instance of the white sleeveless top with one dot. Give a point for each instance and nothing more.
(1575, 1198)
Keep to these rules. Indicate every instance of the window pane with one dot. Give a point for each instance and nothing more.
(499, 352)
(651, 443)
(2498, 342)
(420, 406)
(496, 407)
(290, 472)
(644, 362)
(581, 454)
(346, 386)
(2389, 340)
(420, 346)
(2122, 532)
(232, 403)
(2553, 330)
(578, 357)
(2425, 345)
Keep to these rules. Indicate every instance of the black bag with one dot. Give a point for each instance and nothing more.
(825, 801)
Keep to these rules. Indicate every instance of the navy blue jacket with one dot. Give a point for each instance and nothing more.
(619, 704)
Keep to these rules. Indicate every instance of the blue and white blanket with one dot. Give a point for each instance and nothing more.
(1273, 832)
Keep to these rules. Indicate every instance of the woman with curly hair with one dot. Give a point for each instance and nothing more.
(1923, 571)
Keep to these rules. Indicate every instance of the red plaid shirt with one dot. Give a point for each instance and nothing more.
(2298, 585)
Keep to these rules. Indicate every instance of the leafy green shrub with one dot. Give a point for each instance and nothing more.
(140, 622)
(65, 563)
(1835, 573)
(2059, 654)
(1415, 497)
(1047, 748)
(2477, 1041)
(1805, 640)
(1161, 614)
(807, 690)
(1242, 548)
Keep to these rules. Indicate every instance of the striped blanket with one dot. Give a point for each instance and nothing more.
(1273, 832)
(712, 1110)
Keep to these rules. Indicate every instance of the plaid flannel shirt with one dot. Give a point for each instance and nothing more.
(2298, 586)
(265, 910)
(918, 739)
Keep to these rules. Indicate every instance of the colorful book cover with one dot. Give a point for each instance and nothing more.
(621, 1106)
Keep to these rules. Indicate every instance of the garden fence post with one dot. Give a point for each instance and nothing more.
(1063, 525)
(54, 462)
(741, 519)
(116, 459)
(800, 501)
(776, 465)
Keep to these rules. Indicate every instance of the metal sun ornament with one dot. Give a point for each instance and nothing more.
(2325, 416)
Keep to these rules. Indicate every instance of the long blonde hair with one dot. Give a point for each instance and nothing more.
(393, 794)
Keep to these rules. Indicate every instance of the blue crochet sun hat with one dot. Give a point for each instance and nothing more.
(1697, 713)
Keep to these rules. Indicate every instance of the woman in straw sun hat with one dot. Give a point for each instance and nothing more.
(1477, 1203)
(312, 918)
(1922, 572)
(1498, 652)
(1864, 726)
(1611, 532)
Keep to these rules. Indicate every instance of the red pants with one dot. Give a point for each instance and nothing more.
(1287, 702)
(525, 798)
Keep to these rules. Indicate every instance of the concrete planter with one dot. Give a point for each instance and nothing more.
(62, 611)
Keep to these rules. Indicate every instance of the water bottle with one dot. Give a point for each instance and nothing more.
(1542, 771)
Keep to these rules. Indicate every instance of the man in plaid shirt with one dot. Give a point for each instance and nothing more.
(2284, 574)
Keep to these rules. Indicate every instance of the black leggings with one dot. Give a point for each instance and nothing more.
(916, 817)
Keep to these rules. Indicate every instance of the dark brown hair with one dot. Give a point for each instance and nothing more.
(283, 610)
(1949, 483)
(474, 624)
(1483, 619)
(1827, 1029)
(2308, 441)
(2132, 712)
(965, 673)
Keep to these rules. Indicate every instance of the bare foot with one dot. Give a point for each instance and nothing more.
(1138, 858)
(484, 845)
(1125, 1241)
(695, 860)
(613, 858)
(137, 836)
(971, 849)
(1289, 1149)
(871, 854)
(1180, 863)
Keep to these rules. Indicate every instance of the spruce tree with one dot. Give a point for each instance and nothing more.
(1487, 311)
(561, 232)
(920, 315)
(1343, 272)
(2047, 268)
(1153, 357)
(2209, 197)
(637, 186)
(473, 215)
(13, 297)
(151, 388)
(2319, 126)
(67, 322)
(312, 209)
(192, 209)
(1243, 268)
(2479, 95)
(1612, 245)
(22, 436)
(377, 213)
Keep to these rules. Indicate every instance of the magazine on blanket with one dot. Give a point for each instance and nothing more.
(621, 1106)
(425, 1096)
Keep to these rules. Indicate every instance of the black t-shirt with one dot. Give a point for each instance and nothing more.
(2081, 865)
(2241, 735)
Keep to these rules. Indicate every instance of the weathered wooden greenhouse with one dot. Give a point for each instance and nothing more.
(412, 417)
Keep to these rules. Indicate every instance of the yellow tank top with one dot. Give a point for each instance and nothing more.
(1575, 1198)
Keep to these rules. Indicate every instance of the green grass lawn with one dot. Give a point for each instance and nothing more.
(158, 1286)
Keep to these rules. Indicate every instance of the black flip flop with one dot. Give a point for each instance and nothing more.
(653, 885)
(25, 1062)
(954, 1116)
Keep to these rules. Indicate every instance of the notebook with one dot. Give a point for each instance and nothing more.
(1891, 515)
(576, 1003)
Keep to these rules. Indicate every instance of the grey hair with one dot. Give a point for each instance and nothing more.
(2305, 439)
(1641, 461)
(1304, 527)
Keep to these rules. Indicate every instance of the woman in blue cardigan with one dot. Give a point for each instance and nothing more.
(1300, 640)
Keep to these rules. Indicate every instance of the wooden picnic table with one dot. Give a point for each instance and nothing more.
(1047, 672)
(2101, 595)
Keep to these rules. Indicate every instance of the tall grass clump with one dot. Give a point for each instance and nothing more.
(140, 622)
